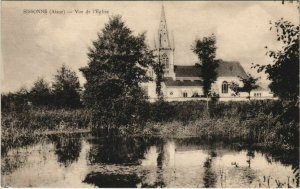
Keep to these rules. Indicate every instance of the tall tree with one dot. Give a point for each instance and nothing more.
(40, 94)
(20, 99)
(249, 84)
(159, 73)
(118, 62)
(206, 52)
(66, 88)
(284, 72)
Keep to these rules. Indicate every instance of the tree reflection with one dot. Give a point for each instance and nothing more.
(210, 176)
(250, 155)
(13, 162)
(67, 149)
(116, 150)
(160, 161)
(287, 158)
(112, 180)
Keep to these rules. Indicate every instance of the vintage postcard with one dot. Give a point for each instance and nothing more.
(132, 94)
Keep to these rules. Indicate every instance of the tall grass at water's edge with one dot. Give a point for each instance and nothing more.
(255, 122)
(18, 127)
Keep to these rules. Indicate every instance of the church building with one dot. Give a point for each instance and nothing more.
(182, 82)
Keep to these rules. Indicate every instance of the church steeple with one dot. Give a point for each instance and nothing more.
(164, 41)
(165, 50)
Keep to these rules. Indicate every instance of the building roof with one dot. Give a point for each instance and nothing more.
(225, 68)
(187, 71)
(260, 88)
(177, 83)
(231, 69)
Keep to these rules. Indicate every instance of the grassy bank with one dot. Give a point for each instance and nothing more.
(19, 126)
(264, 123)
(261, 122)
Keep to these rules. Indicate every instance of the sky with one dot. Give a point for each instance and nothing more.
(36, 45)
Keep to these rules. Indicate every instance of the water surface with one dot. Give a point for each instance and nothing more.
(86, 161)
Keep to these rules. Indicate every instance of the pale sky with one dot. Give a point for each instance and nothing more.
(36, 45)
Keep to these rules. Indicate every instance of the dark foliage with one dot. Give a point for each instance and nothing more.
(206, 52)
(159, 72)
(18, 101)
(65, 93)
(161, 111)
(284, 72)
(41, 94)
(66, 88)
(118, 64)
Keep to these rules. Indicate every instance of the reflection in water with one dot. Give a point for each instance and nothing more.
(67, 149)
(13, 161)
(209, 177)
(117, 150)
(250, 155)
(143, 162)
(161, 159)
(103, 180)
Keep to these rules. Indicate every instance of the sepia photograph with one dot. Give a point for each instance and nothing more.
(150, 94)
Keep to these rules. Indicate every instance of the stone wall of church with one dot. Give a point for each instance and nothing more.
(219, 86)
(182, 91)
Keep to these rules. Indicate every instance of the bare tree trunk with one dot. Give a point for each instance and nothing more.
(207, 107)
(207, 102)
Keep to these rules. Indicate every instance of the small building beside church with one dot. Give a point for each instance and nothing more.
(182, 82)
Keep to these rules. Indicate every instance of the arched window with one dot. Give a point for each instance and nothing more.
(185, 94)
(225, 87)
(164, 60)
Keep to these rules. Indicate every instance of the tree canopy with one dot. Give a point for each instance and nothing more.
(249, 84)
(206, 52)
(66, 88)
(284, 72)
(40, 93)
(118, 63)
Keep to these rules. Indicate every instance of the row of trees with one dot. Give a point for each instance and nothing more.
(64, 92)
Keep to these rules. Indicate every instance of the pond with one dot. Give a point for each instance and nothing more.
(87, 161)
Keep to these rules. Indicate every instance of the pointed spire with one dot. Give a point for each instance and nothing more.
(162, 12)
(163, 31)
(173, 41)
(154, 43)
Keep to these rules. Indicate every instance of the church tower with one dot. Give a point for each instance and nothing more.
(165, 48)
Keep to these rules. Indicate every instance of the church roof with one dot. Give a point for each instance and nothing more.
(187, 71)
(260, 88)
(230, 68)
(171, 82)
(225, 68)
